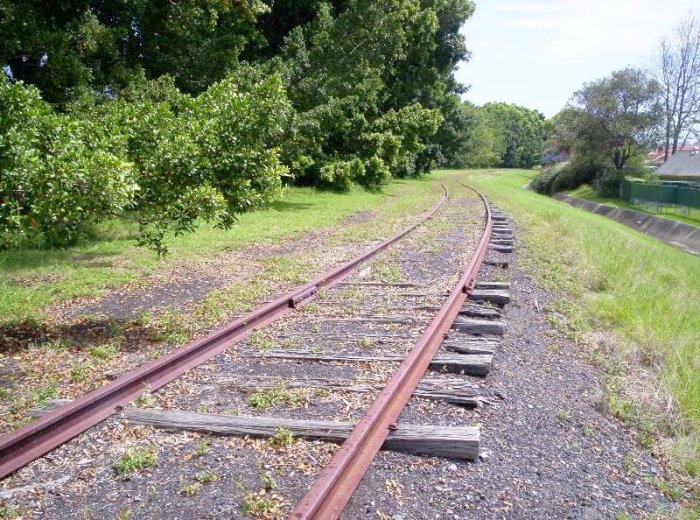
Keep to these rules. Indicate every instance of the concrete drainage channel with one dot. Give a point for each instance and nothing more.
(677, 234)
(337, 335)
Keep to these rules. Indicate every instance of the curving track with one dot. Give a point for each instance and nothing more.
(331, 491)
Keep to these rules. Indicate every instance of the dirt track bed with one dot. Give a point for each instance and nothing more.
(549, 448)
(243, 470)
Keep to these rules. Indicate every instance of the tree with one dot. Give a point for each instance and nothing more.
(344, 77)
(679, 77)
(468, 137)
(616, 117)
(57, 173)
(523, 133)
(196, 110)
(71, 46)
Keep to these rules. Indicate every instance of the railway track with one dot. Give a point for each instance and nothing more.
(336, 360)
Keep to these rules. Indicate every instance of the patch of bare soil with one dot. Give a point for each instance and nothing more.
(190, 281)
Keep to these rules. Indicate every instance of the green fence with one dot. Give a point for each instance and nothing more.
(661, 194)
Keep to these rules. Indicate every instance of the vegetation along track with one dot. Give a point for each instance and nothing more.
(328, 361)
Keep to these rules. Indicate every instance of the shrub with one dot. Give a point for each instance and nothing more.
(376, 172)
(564, 176)
(240, 125)
(608, 181)
(405, 133)
(543, 181)
(341, 174)
(56, 172)
(197, 159)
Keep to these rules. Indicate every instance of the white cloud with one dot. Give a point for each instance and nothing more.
(537, 53)
(531, 22)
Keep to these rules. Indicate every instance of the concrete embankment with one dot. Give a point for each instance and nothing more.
(678, 234)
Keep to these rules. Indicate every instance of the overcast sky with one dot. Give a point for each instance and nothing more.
(537, 53)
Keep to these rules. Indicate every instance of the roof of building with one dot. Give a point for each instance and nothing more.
(658, 156)
(682, 164)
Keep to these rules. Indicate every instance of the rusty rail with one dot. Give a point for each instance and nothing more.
(329, 495)
(39, 437)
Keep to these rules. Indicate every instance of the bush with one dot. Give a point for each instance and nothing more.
(240, 123)
(564, 176)
(153, 128)
(376, 173)
(174, 159)
(197, 159)
(607, 183)
(340, 175)
(402, 137)
(543, 181)
(56, 173)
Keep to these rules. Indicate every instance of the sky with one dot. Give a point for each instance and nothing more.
(538, 53)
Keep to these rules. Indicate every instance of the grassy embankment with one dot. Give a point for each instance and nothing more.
(692, 216)
(642, 294)
(31, 280)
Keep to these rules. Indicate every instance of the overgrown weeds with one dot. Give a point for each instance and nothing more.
(630, 287)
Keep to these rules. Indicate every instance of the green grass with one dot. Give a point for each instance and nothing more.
(32, 280)
(622, 282)
(692, 216)
(134, 460)
(264, 399)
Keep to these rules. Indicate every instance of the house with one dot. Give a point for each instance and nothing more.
(658, 156)
(683, 165)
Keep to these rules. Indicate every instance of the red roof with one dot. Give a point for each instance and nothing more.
(658, 156)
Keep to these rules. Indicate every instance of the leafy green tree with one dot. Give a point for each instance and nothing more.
(197, 110)
(74, 45)
(616, 117)
(468, 138)
(606, 129)
(56, 175)
(206, 158)
(343, 74)
(523, 132)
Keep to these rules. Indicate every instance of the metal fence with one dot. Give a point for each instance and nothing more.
(657, 196)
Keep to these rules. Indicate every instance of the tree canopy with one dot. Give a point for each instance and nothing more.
(495, 135)
(616, 117)
(607, 127)
(179, 112)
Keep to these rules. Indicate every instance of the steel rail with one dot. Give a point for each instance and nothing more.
(39, 437)
(330, 493)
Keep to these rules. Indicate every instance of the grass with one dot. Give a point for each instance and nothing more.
(32, 280)
(689, 216)
(106, 351)
(261, 505)
(261, 340)
(641, 293)
(135, 459)
(264, 399)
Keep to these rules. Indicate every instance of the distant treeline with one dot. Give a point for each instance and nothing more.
(495, 135)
